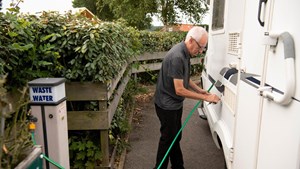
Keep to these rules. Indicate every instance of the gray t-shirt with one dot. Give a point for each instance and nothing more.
(176, 65)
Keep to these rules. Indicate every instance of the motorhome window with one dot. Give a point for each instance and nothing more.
(218, 14)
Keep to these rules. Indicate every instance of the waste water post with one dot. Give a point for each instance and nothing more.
(48, 105)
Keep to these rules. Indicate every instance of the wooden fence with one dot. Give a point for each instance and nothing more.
(108, 96)
(158, 57)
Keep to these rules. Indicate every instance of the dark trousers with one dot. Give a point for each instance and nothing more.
(170, 121)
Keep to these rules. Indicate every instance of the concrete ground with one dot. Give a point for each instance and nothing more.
(199, 150)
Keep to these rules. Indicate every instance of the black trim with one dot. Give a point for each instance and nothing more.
(254, 80)
(247, 78)
(224, 70)
(250, 81)
(219, 86)
(257, 82)
(230, 72)
(49, 104)
(211, 79)
(45, 135)
(295, 99)
(262, 23)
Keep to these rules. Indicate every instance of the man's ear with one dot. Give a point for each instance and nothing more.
(190, 40)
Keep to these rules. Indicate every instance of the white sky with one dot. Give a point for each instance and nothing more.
(33, 6)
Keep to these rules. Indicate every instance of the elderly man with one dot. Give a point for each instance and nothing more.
(173, 86)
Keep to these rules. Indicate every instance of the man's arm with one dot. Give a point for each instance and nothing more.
(196, 88)
(182, 91)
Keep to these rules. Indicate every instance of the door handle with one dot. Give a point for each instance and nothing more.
(290, 71)
(262, 23)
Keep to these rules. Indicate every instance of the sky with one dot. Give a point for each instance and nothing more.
(34, 6)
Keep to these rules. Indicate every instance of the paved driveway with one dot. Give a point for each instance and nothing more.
(199, 150)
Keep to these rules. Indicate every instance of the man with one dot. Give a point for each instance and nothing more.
(172, 87)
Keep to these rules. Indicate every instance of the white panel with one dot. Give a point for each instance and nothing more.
(280, 137)
(57, 134)
(280, 131)
(247, 123)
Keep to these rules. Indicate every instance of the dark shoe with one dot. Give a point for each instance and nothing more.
(178, 167)
(203, 116)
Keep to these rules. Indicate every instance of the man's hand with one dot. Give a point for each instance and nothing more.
(212, 98)
(205, 92)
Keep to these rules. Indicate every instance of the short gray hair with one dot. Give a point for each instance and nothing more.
(196, 32)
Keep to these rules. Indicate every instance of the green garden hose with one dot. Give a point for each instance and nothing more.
(44, 156)
(182, 127)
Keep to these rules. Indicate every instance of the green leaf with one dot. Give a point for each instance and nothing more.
(9, 67)
(53, 38)
(93, 65)
(12, 34)
(77, 49)
(74, 145)
(92, 36)
(78, 164)
(89, 144)
(72, 61)
(22, 48)
(44, 63)
(81, 155)
(47, 37)
(90, 153)
(81, 146)
(98, 155)
(90, 165)
(84, 48)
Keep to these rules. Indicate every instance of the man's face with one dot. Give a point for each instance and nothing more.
(199, 47)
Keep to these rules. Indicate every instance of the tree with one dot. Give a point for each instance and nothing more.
(104, 13)
(136, 13)
(170, 10)
(139, 13)
(89, 4)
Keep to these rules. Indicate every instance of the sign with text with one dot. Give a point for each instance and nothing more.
(47, 90)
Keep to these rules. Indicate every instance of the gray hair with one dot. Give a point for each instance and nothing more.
(196, 32)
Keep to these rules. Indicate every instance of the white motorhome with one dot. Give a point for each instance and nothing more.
(253, 61)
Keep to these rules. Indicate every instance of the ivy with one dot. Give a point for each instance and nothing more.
(74, 47)
(84, 149)
(24, 55)
(160, 41)
(63, 46)
(71, 46)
